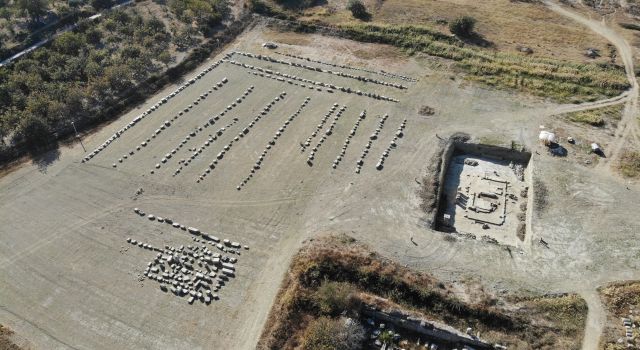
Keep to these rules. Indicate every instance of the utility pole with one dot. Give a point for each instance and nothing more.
(78, 136)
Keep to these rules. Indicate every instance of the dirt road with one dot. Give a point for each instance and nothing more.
(627, 133)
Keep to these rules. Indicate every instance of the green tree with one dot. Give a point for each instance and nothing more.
(69, 43)
(101, 4)
(93, 36)
(165, 58)
(34, 130)
(462, 26)
(34, 8)
(357, 8)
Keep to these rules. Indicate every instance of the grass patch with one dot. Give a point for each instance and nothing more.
(629, 164)
(563, 81)
(595, 117)
(592, 118)
(570, 311)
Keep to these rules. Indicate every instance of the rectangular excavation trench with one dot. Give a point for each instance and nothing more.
(484, 191)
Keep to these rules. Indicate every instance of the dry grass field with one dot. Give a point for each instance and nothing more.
(508, 25)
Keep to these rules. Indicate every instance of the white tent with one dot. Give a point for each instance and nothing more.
(547, 137)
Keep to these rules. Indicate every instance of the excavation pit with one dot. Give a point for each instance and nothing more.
(485, 192)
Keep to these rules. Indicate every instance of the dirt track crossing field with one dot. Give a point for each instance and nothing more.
(69, 279)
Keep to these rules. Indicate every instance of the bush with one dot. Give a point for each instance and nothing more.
(462, 26)
(101, 4)
(630, 163)
(357, 8)
(335, 297)
(333, 334)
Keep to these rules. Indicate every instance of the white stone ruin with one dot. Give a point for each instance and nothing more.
(245, 131)
(392, 145)
(258, 164)
(195, 272)
(153, 108)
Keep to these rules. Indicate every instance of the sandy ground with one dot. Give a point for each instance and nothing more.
(67, 279)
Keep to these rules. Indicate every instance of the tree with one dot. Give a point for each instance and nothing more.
(93, 36)
(357, 8)
(101, 4)
(165, 58)
(34, 130)
(69, 43)
(462, 26)
(35, 8)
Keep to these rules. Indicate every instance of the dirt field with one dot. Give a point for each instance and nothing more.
(69, 279)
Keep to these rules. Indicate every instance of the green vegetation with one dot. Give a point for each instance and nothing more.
(462, 26)
(631, 26)
(261, 7)
(629, 164)
(78, 74)
(595, 117)
(587, 117)
(101, 4)
(296, 4)
(34, 8)
(357, 8)
(325, 333)
(570, 311)
(386, 337)
(333, 298)
(85, 72)
(563, 81)
(205, 14)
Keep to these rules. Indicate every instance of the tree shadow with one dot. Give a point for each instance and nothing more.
(365, 17)
(301, 5)
(43, 158)
(476, 39)
(557, 150)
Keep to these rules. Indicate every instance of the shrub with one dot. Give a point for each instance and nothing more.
(335, 297)
(540, 193)
(333, 334)
(592, 118)
(630, 163)
(357, 8)
(462, 26)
